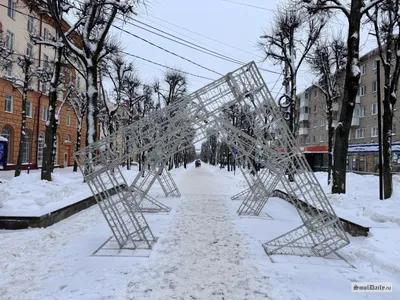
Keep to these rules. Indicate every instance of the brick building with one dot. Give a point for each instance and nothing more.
(16, 25)
(363, 139)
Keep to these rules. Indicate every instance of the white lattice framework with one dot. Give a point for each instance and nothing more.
(163, 132)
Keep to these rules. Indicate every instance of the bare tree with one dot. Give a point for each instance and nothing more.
(288, 42)
(88, 39)
(176, 88)
(385, 19)
(20, 83)
(327, 60)
(353, 12)
(77, 102)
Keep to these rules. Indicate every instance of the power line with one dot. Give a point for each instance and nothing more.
(200, 48)
(164, 66)
(249, 5)
(204, 36)
(21, 55)
(212, 53)
(166, 50)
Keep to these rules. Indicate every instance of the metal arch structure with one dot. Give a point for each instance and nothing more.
(160, 135)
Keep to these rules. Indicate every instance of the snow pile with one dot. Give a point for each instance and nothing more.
(27, 195)
(362, 198)
(3, 139)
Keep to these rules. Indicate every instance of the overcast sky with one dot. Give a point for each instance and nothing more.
(223, 22)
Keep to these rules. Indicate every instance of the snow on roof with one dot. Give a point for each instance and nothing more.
(3, 139)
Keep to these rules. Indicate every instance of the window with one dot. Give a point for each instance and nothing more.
(9, 70)
(374, 110)
(68, 120)
(315, 108)
(11, 9)
(67, 139)
(40, 149)
(44, 113)
(361, 112)
(26, 148)
(306, 95)
(374, 86)
(322, 122)
(9, 40)
(6, 133)
(29, 109)
(374, 131)
(29, 50)
(313, 139)
(9, 103)
(46, 34)
(363, 69)
(315, 93)
(78, 82)
(360, 133)
(321, 139)
(394, 129)
(374, 64)
(363, 90)
(315, 123)
(45, 61)
(349, 134)
(30, 24)
(307, 140)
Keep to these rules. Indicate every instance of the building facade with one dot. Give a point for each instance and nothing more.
(17, 24)
(363, 138)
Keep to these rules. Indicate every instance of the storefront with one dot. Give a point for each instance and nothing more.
(360, 158)
(317, 157)
(365, 158)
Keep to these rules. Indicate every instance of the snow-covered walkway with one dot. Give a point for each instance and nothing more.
(204, 251)
(202, 256)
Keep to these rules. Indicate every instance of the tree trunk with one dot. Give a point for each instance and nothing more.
(92, 94)
(350, 93)
(387, 137)
(18, 167)
(330, 138)
(78, 143)
(51, 123)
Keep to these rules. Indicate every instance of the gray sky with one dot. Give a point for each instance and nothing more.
(232, 24)
(229, 23)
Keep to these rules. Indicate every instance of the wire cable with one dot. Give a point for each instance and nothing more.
(164, 66)
(166, 50)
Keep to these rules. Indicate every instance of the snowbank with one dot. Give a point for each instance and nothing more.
(362, 198)
(3, 139)
(27, 195)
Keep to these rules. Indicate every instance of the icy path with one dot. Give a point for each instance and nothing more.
(201, 256)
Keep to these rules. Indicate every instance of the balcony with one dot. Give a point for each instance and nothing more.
(303, 103)
(355, 121)
(335, 106)
(303, 117)
(303, 131)
(358, 100)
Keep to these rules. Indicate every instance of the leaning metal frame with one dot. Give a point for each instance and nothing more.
(165, 131)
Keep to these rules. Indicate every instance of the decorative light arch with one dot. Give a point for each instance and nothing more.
(193, 116)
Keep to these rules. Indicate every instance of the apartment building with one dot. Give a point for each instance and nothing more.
(17, 24)
(363, 139)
